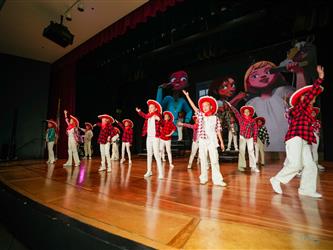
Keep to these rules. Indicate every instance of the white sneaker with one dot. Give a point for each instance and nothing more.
(203, 182)
(77, 165)
(163, 159)
(48, 162)
(89, 157)
(101, 168)
(320, 167)
(222, 184)
(189, 166)
(160, 177)
(314, 195)
(109, 170)
(130, 162)
(172, 166)
(122, 161)
(67, 165)
(236, 149)
(276, 185)
(228, 149)
(255, 170)
(148, 174)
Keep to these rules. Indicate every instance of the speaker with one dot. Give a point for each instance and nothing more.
(59, 34)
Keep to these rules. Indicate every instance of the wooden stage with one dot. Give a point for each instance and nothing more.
(177, 212)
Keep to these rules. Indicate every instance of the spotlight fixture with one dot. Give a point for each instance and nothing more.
(80, 6)
(68, 16)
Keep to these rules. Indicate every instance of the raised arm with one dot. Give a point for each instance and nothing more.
(66, 118)
(140, 113)
(236, 112)
(196, 110)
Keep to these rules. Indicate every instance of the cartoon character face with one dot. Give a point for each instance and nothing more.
(258, 77)
(151, 108)
(227, 88)
(178, 80)
(206, 106)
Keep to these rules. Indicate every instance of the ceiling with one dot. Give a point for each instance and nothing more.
(22, 23)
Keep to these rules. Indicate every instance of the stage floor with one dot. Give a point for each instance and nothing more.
(178, 212)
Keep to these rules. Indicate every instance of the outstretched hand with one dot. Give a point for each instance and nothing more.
(185, 93)
(320, 70)
(137, 110)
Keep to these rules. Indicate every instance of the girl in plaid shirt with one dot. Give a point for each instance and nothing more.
(247, 136)
(104, 140)
(299, 138)
(115, 144)
(167, 129)
(127, 139)
(262, 140)
(209, 131)
(152, 128)
(195, 143)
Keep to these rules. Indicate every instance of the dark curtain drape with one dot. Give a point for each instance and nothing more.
(63, 71)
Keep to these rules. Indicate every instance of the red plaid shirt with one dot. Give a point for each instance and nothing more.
(195, 130)
(127, 133)
(316, 127)
(105, 134)
(302, 120)
(166, 129)
(157, 124)
(248, 127)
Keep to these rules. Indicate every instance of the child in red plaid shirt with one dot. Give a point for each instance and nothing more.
(104, 140)
(152, 128)
(299, 138)
(247, 136)
(127, 139)
(167, 129)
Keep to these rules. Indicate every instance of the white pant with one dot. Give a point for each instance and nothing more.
(314, 149)
(232, 137)
(166, 144)
(194, 150)
(180, 133)
(115, 152)
(87, 148)
(72, 152)
(206, 148)
(50, 145)
(153, 147)
(298, 155)
(260, 151)
(127, 146)
(105, 153)
(241, 157)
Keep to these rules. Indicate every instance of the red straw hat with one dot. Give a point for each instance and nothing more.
(250, 108)
(75, 120)
(53, 122)
(295, 97)
(156, 104)
(172, 118)
(109, 117)
(89, 124)
(260, 118)
(210, 100)
(129, 121)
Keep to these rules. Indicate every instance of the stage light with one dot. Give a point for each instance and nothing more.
(68, 16)
(80, 6)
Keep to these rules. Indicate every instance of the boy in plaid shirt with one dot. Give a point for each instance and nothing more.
(152, 128)
(262, 140)
(209, 131)
(167, 129)
(247, 136)
(104, 140)
(299, 138)
(127, 139)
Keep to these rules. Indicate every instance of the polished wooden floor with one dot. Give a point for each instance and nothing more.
(178, 212)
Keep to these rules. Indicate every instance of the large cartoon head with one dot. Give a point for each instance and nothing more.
(258, 78)
(179, 80)
(223, 88)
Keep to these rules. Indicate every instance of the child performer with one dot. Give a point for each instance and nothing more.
(247, 136)
(115, 145)
(88, 135)
(299, 138)
(51, 134)
(209, 131)
(195, 142)
(73, 139)
(168, 128)
(263, 138)
(104, 140)
(127, 139)
(180, 128)
(152, 128)
(316, 130)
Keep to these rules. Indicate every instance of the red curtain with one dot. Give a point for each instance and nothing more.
(63, 72)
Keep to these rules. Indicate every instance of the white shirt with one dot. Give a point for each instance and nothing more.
(151, 130)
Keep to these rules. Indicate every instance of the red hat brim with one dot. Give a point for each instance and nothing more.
(129, 121)
(156, 104)
(262, 119)
(172, 118)
(295, 97)
(210, 100)
(250, 108)
(75, 120)
(109, 117)
(53, 122)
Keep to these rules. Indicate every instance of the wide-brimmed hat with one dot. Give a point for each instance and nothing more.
(296, 96)
(109, 117)
(129, 121)
(156, 104)
(210, 100)
(250, 108)
(172, 118)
